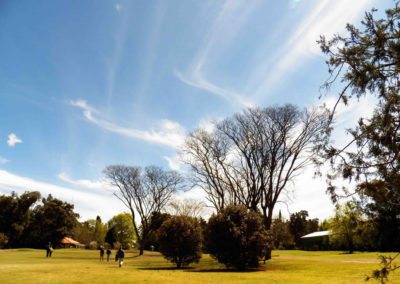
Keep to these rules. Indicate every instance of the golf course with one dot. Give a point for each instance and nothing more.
(83, 266)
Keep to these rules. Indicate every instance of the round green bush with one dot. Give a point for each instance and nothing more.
(180, 239)
(236, 237)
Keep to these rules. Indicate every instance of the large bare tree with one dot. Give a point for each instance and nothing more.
(187, 207)
(143, 192)
(251, 157)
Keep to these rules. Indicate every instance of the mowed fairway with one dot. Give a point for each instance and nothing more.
(82, 266)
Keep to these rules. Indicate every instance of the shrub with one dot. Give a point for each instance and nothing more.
(92, 245)
(180, 239)
(236, 237)
(3, 240)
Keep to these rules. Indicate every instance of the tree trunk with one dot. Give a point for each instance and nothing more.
(267, 224)
(268, 254)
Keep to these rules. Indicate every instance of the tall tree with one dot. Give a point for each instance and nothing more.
(250, 158)
(367, 62)
(382, 206)
(15, 215)
(187, 207)
(345, 226)
(143, 192)
(121, 226)
(100, 230)
(299, 225)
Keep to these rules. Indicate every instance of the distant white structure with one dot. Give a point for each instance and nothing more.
(316, 234)
(316, 241)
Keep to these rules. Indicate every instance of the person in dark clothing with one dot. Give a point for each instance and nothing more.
(101, 253)
(49, 250)
(119, 256)
(108, 252)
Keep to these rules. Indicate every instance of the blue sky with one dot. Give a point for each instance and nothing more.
(86, 84)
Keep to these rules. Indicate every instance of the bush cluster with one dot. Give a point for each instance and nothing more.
(235, 237)
(179, 239)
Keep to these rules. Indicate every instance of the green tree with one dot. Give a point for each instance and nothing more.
(367, 62)
(100, 231)
(345, 227)
(156, 220)
(180, 239)
(121, 226)
(237, 237)
(382, 206)
(84, 231)
(111, 236)
(15, 214)
(50, 222)
(280, 234)
(299, 225)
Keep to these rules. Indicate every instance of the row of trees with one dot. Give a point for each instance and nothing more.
(118, 231)
(235, 236)
(286, 234)
(29, 221)
(248, 160)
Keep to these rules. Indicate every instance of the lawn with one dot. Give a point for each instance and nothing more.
(82, 266)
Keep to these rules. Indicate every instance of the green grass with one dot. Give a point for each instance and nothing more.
(82, 266)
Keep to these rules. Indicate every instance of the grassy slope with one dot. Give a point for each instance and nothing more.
(81, 266)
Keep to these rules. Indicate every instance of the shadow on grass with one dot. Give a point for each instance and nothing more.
(226, 270)
(167, 268)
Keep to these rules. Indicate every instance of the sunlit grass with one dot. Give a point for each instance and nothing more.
(83, 266)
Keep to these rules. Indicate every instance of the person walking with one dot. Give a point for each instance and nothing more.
(101, 253)
(49, 250)
(119, 256)
(108, 252)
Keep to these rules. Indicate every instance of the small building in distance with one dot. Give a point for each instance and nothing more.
(71, 243)
(316, 241)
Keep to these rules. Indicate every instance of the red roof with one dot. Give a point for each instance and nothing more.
(69, 241)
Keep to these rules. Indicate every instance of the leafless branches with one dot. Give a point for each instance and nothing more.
(250, 158)
(143, 192)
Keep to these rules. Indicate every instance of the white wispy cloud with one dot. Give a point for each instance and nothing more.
(174, 163)
(87, 204)
(167, 133)
(85, 183)
(326, 18)
(226, 26)
(3, 160)
(13, 140)
(269, 69)
(118, 7)
(197, 80)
